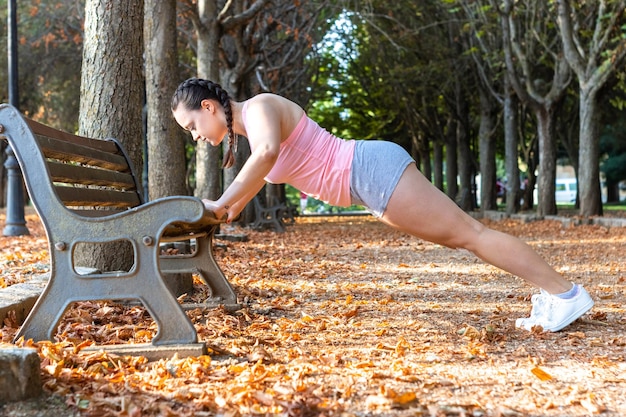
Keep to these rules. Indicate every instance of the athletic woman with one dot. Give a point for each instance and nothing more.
(288, 147)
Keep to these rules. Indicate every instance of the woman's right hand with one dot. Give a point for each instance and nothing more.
(234, 211)
(226, 213)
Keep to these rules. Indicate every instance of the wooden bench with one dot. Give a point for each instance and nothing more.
(85, 191)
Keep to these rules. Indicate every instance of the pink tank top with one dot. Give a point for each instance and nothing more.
(314, 161)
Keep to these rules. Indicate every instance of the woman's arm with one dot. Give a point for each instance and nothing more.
(234, 209)
(264, 134)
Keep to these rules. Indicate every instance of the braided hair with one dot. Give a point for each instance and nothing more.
(192, 91)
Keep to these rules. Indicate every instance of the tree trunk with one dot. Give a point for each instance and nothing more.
(547, 163)
(166, 143)
(208, 158)
(594, 59)
(438, 164)
(588, 158)
(222, 58)
(111, 98)
(487, 149)
(521, 24)
(511, 154)
(612, 191)
(424, 157)
(274, 193)
(452, 187)
(112, 84)
(531, 156)
(466, 198)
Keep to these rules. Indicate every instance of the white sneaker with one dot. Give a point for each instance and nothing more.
(554, 313)
(539, 302)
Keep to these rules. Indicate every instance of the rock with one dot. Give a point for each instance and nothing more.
(20, 298)
(20, 376)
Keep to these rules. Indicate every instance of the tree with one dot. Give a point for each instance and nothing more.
(111, 99)
(49, 53)
(387, 76)
(165, 141)
(282, 60)
(219, 27)
(540, 76)
(594, 42)
(285, 48)
(460, 102)
(486, 50)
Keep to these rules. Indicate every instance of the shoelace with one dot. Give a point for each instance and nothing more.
(546, 309)
(540, 302)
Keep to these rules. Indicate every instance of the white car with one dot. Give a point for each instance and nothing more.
(565, 191)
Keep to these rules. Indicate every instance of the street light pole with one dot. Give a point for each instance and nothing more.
(15, 222)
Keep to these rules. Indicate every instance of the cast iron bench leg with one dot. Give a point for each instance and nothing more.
(66, 286)
(267, 215)
(202, 262)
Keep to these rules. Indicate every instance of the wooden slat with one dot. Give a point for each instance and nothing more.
(78, 174)
(69, 152)
(99, 167)
(43, 130)
(78, 197)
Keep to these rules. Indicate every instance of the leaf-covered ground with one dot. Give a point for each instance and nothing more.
(345, 317)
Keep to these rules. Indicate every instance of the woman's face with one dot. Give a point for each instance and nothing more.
(205, 124)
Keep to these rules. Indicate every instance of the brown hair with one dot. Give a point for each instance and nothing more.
(192, 91)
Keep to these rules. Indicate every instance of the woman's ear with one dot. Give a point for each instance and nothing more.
(207, 105)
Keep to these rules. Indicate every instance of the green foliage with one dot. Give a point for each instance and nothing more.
(384, 68)
(49, 60)
(316, 206)
(618, 100)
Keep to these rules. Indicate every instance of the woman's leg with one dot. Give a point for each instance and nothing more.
(418, 208)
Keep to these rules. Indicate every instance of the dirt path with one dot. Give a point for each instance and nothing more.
(346, 317)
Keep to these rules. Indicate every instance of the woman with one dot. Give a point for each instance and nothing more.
(288, 147)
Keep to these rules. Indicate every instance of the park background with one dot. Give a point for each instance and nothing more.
(479, 92)
(510, 90)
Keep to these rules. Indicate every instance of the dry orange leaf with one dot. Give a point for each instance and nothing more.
(296, 348)
(404, 399)
(541, 374)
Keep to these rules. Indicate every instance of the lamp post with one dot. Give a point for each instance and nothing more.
(15, 222)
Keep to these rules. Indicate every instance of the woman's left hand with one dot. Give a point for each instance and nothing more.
(212, 206)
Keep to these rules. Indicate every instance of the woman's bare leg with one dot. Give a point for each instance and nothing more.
(418, 208)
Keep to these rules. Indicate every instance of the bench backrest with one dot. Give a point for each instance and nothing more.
(87, 175)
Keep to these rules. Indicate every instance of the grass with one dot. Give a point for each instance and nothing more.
(616, 206)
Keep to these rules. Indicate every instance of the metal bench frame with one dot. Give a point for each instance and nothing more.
(268, 216)
(145, 225)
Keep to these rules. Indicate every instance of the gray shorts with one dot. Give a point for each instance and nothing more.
(376, 169)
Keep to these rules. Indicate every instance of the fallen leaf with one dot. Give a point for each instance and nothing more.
(541, 374)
